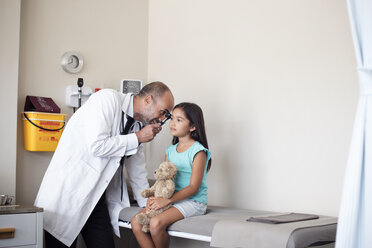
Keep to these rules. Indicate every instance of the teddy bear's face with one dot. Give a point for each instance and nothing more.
(165, 171)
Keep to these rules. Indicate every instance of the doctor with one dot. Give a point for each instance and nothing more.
(82, 190)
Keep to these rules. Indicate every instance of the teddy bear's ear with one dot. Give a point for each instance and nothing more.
(164, 164)
(173, 169)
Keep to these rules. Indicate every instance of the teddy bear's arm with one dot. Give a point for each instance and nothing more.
(149, 192)
(168, 190)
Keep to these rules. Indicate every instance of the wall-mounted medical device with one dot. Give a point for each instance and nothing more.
(77, 95)
(130, 86)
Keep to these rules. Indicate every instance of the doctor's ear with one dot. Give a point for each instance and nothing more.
(148, 99)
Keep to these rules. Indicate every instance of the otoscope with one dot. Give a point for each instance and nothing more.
(167, 117)
(80, 84)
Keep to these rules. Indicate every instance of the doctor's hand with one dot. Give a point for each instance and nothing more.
(148, 133)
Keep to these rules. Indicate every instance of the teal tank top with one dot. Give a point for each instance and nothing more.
(184, 161)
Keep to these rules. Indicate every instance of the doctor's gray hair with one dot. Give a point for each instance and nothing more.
(156, 89)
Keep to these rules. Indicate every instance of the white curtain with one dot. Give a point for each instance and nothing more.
(355, 219)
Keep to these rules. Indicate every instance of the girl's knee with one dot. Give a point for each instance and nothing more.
(156, 226)
(135, 225)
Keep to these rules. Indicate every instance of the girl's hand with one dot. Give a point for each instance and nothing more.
(149, 202)
(159, 202)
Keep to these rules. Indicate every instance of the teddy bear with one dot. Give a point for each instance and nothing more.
(163, 187)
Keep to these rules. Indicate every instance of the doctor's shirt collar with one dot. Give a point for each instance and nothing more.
(127, 106)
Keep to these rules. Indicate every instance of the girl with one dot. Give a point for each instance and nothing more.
(189, 151)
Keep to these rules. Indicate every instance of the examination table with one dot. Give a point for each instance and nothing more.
(227, 227)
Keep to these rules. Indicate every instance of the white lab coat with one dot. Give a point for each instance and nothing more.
(86, 163)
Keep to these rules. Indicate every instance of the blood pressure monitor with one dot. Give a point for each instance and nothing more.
(130, 86)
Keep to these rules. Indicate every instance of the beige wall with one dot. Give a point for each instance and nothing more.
(111, 37)
(277, 83)
(9, 53)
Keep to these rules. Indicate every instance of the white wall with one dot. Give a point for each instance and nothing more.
(10, 12)
(277, 83)
(111, 37)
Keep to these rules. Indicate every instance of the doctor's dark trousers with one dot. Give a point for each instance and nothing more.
(97, 231)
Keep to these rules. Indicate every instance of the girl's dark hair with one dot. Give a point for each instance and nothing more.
(195, 115)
